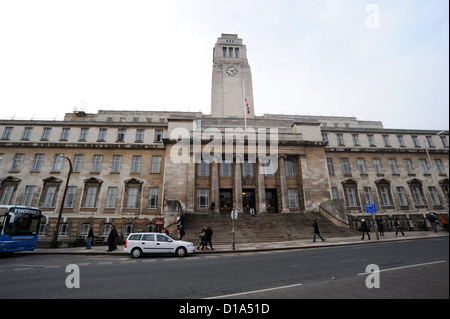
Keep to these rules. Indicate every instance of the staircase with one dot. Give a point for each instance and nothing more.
(261, 228)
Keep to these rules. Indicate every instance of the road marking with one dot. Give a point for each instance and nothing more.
(255, 291)
(409, 266)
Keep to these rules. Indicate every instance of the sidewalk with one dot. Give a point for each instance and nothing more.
(255, 247)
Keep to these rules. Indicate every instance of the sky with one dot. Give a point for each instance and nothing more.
(380, 60)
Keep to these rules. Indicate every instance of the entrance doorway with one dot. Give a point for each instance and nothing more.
(248, 199)
(271, 201)
(226, 201)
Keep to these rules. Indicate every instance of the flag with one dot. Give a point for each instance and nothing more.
(246, 105)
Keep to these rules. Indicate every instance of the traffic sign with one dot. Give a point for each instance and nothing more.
(234, 214)
(371, 208)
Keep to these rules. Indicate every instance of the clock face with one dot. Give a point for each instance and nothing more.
(231, 70)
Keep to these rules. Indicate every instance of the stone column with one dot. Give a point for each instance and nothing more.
(238, 185)
(190, 189)
(261, 189)
(215, 185)
(283, 183)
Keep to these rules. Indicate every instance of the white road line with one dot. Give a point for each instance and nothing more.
(403, 267)
(254, 291)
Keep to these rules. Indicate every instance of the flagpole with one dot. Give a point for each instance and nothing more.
(244, 104)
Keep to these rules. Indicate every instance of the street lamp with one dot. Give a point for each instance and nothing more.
(434, 173)
(55, 234)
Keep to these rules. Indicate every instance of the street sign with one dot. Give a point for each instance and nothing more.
(371, 208)
(234, 214)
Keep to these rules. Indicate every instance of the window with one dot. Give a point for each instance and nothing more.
(153, 197)
(203, 198)
(351, 196)
(325, 137)
(203, 169)
(91, 195)
(371, 140)
(57, 163)
(102, 134)
(27, 133)
(37, 162)
(132, 197)
(77, 162)
(355, 139)
(340, 139)
(345, 166)
(236, 51)
(49, 196)
(136, 164)
(292, 197)
(400, 140)
(444, 141)
(225, 169)
(63, 229)
(17, 162)
(127, 229)
(393, 166)
(409, 167)
(7, 131)
(385, 198)
(117, 160)
(70, 196)
(377, 165)
(362, 166)
(156, 165)
(97, 163)
(65, 134)
(158, 135)
(111, 197)
(106, 229)
(429, 141)
(423, 166)
(247, 168)
(139, 135)
(386, 140)
(7, 195)
(334, 193)
(46, 134)
(290, 168)
(27, 199)
(417, 194)
(330, 166)
(415, 141)
(368, 195)
(439, 166)
(84, 230)
(121, 135)
(401, 196)
(83, 134)
(433, 195)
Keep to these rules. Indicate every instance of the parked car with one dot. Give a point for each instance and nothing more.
(138, 244)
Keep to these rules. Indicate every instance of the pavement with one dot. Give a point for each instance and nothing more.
(258, 247)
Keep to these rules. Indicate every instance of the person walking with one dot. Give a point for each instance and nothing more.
(90, 238)
(433, 220)
(112, 239)
(364, 229)
(202, 238)
(380, 225)
(398, 227)
(208, 237)
(316, 231)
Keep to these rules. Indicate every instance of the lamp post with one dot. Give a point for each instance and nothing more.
(435, 175)
(55, 234)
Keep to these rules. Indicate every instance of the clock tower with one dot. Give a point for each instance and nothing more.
(231, 79)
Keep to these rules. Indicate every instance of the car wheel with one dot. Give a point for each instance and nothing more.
(181, 251)
(136, 252)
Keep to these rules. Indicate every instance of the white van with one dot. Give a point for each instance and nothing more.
(156, 243)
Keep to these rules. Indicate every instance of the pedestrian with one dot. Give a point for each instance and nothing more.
(90, 238)
(252, 211)
(181, 232)
(316, 231)
(398, 227)
(364, 229)
(213, 207)
(380, 225)
(202, 238)
(208, 237)
(112, 239)
(433, 220)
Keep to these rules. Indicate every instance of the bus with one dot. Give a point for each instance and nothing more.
(19, 227)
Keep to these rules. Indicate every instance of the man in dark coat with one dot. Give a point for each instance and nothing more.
(316, 231)
(112, 239)
(364, 229)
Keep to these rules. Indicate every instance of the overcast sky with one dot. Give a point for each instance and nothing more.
(385, 60)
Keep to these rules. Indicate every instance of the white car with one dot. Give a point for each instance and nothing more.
(138, 244)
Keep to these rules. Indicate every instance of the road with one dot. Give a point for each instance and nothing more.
(408, 269)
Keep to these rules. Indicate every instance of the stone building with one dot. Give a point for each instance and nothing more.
(135, 169)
